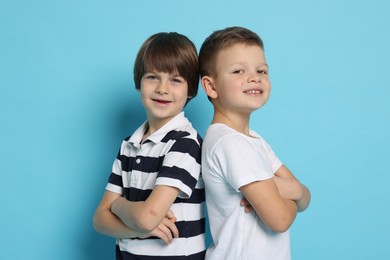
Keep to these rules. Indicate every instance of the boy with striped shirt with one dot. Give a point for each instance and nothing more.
(154, 199)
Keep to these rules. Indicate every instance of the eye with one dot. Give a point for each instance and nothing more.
(150, 76)
(265, 72)
(238, 71)
(178, 80)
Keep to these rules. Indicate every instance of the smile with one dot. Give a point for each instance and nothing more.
(254, 91)
(162, 102)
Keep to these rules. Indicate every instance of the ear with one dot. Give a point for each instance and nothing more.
(209, 87)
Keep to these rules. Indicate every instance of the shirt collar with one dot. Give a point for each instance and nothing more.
(175, 123)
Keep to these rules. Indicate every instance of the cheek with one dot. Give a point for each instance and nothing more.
(235, 83)
(183, 96)
(143, 100)
(181, 93)
(144, 95)
(146, 89)
(266, 80)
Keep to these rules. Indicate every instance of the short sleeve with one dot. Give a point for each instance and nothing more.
(181, 166)
(275, 162)
(115, 181)
(242, 160)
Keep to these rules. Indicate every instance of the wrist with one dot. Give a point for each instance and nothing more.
(298, 191)
(295, 205)
(115, 205)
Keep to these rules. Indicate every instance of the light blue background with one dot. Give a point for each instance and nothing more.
(67, 99)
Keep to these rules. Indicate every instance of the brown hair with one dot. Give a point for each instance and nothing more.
(220, 40)
(170, 53)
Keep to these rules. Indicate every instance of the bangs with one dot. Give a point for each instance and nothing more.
(165, 57)
(169, 53)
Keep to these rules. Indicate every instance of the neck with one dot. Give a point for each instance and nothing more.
(151, 128)
(239, 122)
(154, 124)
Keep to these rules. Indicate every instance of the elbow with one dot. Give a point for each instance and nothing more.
(280, 227)
(144, 226)
(96, 223)
(282, 224)
(148, 221)
(304, 203)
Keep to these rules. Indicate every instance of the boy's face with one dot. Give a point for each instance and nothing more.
(241, 82)
(163, 96)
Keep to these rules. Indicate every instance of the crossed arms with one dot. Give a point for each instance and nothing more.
(276, 201)
(117, 217)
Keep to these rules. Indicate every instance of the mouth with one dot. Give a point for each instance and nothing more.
(254, 91)
(161, 101)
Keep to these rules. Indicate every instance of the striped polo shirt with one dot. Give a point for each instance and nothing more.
(171, 157)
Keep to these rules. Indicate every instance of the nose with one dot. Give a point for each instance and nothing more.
(162, 88)
(254, 77)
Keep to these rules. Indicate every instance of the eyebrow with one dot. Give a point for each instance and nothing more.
(239, 63)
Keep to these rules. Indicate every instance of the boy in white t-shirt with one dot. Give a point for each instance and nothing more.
(236, 162)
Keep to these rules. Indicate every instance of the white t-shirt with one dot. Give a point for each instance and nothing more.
(231, 160)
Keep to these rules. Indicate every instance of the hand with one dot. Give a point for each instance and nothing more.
(171, 216)
(166, 230)
(289, 188)
(245, 203)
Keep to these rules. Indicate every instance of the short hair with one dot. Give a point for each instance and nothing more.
(220, 40)
(171, 53)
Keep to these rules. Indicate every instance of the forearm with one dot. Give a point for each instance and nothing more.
(145, 216)
(283, 216)
(107, 223)
(276, 212)
(304, 201)
(138, 215)
(290, 188)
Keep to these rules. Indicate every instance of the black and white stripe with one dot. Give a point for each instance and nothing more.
(170, 157)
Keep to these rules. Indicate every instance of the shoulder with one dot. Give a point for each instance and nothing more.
(183, 140)
(219, 136)
(182, 136)
(185, 133)
(124, 144)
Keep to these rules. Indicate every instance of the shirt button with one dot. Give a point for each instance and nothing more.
(138, 160)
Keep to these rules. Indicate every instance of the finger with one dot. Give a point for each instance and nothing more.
(158, 233)
(166, 231)
(172, 227)
(244, 202)
(170, 214)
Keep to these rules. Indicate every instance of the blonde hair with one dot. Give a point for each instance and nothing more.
(220, 40)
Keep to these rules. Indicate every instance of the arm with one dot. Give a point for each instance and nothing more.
(290, 188)
(180, 168)
(105, 222)
(146, 215)
(277, 213)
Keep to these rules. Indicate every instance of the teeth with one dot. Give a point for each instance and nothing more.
(253, 91)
